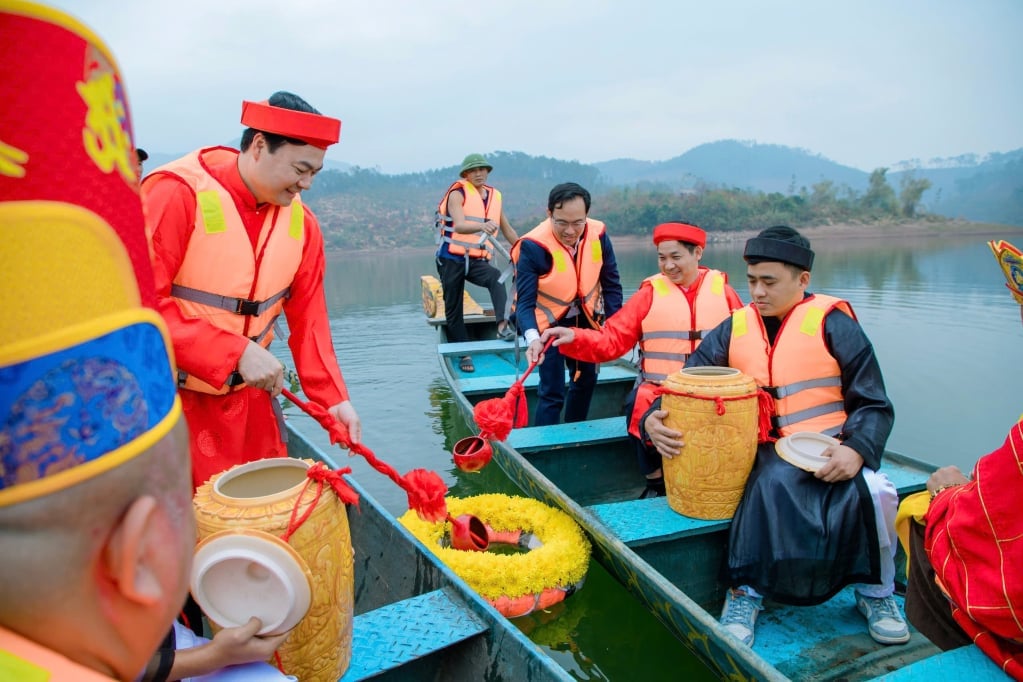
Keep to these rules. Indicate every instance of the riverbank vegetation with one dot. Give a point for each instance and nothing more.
(365, 209)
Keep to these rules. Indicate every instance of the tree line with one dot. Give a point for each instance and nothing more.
(634, 210)
(363, 208)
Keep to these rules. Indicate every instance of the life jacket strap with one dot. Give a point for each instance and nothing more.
(238, 306)
(808, 413)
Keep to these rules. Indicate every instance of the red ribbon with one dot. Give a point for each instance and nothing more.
(765, 407)
(425, 489)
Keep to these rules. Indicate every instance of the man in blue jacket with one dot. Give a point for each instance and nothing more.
(565, 276)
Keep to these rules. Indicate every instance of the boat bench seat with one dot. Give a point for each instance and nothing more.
(475, 347)
(640, 522)
(591, 432)
(964, 663)
(499, 384)
(393, 635)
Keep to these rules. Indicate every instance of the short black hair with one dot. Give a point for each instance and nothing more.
(141, 153)
(284, 100)
(567, 191)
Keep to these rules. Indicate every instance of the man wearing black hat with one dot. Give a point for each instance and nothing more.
(799, 537)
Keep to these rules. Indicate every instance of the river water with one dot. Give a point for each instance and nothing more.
(945, 329)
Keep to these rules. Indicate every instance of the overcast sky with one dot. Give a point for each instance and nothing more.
(418, 85)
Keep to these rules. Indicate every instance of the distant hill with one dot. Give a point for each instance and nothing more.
(731, 163)
(989, 190)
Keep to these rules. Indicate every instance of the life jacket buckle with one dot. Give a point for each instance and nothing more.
(246, 307)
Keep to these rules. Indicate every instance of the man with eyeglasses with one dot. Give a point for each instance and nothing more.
(565, 276)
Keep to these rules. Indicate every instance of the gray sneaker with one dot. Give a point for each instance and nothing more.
(740, 614)
(884, 620)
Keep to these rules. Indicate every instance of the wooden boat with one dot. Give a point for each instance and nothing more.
(414, 618)
(671, 562)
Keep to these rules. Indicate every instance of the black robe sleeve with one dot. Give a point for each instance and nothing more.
(869, 412)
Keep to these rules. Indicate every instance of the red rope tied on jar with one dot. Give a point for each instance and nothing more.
(496, 417)
(321, 475)
(765, 408)
(425, 488)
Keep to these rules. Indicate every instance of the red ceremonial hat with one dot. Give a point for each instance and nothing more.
(86, 359)
(680, 232)
(315, 129)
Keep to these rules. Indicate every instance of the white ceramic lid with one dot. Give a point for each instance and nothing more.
(237, 574)
(803, 449)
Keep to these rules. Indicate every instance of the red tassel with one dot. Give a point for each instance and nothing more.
(426, 493)
(496, 417)
(765, 409)
(521, 409)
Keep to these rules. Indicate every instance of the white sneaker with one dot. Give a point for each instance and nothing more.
(739, 615)
(884, 620)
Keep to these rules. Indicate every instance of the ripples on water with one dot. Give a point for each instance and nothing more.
(946, 331)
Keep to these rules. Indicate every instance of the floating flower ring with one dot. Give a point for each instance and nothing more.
(552, 566)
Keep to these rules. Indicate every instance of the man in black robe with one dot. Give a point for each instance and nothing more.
(799, 537)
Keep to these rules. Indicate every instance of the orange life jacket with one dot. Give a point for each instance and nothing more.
(222, 278)
(476, 246)
(672, 329)
(798, 371)
(23, 659)
(569, 280)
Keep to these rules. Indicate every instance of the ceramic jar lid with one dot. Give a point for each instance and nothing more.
(803, 449)
(237, 574)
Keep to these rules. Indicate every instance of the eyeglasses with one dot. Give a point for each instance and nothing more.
(562, 224)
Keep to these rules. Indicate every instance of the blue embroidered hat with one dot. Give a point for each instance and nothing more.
(86, 366)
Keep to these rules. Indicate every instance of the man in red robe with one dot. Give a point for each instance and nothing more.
(966, 561)
(233, 246)
(667, 317)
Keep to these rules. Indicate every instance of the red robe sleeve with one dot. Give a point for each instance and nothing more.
(619, 334)
(200, 348)
(974, 539)
(309, 325)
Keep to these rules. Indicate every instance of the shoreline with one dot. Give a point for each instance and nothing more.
(836, 232)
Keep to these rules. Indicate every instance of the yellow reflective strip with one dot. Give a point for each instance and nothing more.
(297, 227)
(212, 211)
(560, 264)
(660, 288)
(812, 321)
(739, 322)
(598, 253)
(14, 668)
(717, 285)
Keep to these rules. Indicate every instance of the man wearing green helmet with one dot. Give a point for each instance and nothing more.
(469, 216)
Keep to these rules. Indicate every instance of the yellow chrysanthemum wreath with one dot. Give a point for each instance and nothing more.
(561, 561)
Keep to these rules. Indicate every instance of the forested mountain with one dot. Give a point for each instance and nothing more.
(731, 163)
(725, 185)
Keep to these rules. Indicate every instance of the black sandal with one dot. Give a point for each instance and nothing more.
(465, 364)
